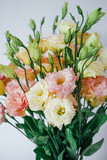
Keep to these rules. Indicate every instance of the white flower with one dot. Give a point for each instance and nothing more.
(65, 25)
(96, 68)
(104, 57)
(59, 111)
(37, 95)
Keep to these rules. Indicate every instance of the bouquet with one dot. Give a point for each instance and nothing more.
(54, 84)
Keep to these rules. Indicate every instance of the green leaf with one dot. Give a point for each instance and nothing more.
(71, 139)
(93, 148)
(69, 51)
(47, 150)
(37, 158)
(71, 155)
(40, 153)
(41, 139)
(60, 157)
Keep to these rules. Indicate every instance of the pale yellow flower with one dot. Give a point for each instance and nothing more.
(55, 43)
(23, 56)
(96, 68)
(37, 96)
(2, 90)
(59, 111)
(104, 57)
(65, 25)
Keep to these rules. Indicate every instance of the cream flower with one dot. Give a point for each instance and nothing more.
(55, 43)
(59, 111)
(104, 57)
(96, 68)
(37, 95)
(65, 25)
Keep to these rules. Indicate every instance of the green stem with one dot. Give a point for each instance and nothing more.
(17, 78)
(26, 78)
(52, 67)
(59, 62)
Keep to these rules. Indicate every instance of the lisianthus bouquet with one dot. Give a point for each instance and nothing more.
(54, 84)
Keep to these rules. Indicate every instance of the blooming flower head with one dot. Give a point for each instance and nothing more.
(30, 73)
(14, 85)
(95, 89)
(96, 68)
(55, 43)
(62, 82)
(16, 103)
(59, 111)
(37, 95)
(64, 25)
(2, 109)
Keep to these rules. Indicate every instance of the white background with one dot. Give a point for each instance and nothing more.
(14, 16)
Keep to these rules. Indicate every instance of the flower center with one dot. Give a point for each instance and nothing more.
(60, 80)
(61, 111)
(40, 93)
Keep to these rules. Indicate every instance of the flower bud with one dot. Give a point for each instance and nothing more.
(30, 39)
(2, 90)
(91, 46)
(37, 37)
(42, 21)
(68, 36)
(32, 24)
(16, 62)
(17, 41)
(7, 71)
(93, 17)
(7, 36)
(50, 58)
(64, 10)
(14, 48)
(36, 53)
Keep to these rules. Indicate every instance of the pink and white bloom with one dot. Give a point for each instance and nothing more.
(61, 83)
(14, 85)
(2, 109)
(16, 102)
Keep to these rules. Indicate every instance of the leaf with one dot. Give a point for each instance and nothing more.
(37, 158)
(93, 148)
(40, 153)
(47, 149)
(71, 139)
(69, 51)
(60, 157)
(41, 139)
(71, 155)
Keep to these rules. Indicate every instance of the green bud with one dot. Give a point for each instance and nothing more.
(80, 11)
(91, 46)
(50, 58)
(32, 24)
(7, 71)
(30, 39)
(54, 25)
(7, 36)
(64, 10)
(93, 17)
(37, 37)
(42, 21)
(16, 62)
(95, 58)
(9, 51)
(68, 36)
(14, 48)
(36, 53)
(16, 41)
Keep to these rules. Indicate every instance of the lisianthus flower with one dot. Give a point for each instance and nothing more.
(96, 68)
(37, 95)
(16, 102)
(59, 111)
(104, 57)
(2, 116)
(47, 65)
(30, 73)
(62, 82)
(55, 43)
(14, 85)
(64, 25)
(95, 90)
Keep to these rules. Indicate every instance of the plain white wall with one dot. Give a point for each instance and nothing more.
(14, 16)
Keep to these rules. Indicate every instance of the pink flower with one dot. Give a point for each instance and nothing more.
(16, 102)
(95, 86)
(2, 109)
(62, 82)
(14, 84)
(2, 77)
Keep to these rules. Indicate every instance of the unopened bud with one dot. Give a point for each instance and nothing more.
(50, 58)
(30, 39)
(42, 21)
(64, 10)
(14, 48)
(16, 62)
(36, 53)
(37, 37)
(17, 41)
(32, 24)
(68, 36)
(7, 36)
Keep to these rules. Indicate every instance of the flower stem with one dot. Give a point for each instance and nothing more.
(59, 62)
(26, 78)
(17, 78)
